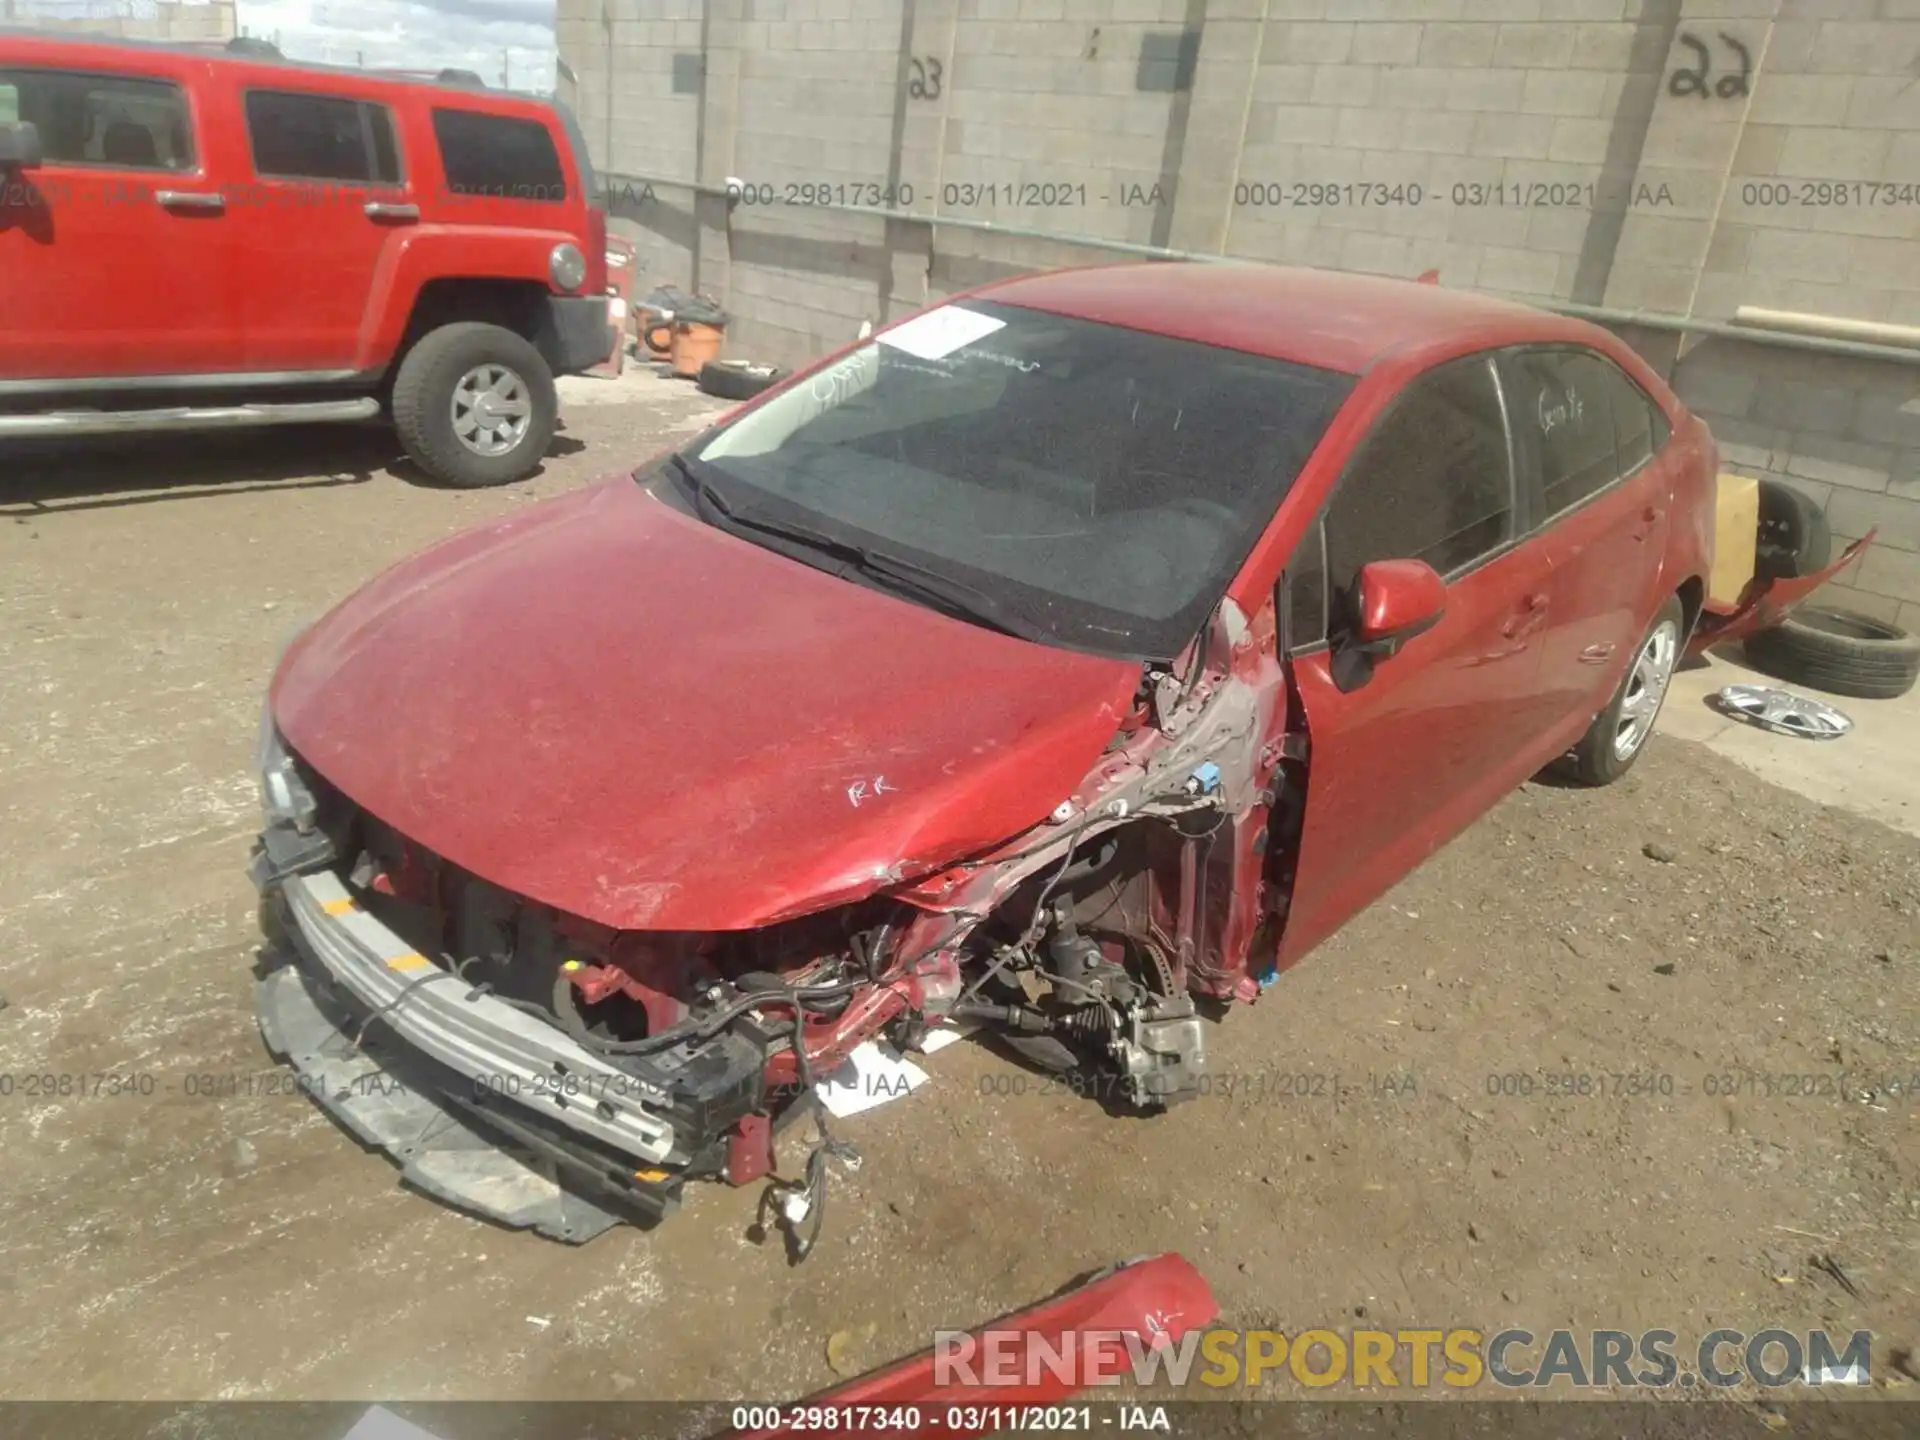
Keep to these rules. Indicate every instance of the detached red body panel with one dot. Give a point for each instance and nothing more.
(1766, 602)
(1157, 1301)
(608, 707)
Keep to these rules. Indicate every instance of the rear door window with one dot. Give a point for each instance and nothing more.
(297, 136)
(1433, 482)
(499, 156)
(1639, 429)
(1563, 402)
(120, 122)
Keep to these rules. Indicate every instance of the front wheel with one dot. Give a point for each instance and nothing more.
(1619, 733)
(475, 405)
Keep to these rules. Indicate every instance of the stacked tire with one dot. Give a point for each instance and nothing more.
(738, 379)
(1839, 651)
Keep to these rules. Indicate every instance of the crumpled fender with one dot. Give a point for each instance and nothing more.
(1764, 603)
(1159, 1299)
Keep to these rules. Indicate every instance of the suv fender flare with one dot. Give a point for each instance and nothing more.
(412, 261)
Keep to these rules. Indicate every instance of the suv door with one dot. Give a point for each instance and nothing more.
(1587, 439)
(328, 190)
(114, 249)
(1439, 731)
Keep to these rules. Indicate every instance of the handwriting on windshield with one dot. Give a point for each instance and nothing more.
(838, 384)
(869, 790)
(1025, 367)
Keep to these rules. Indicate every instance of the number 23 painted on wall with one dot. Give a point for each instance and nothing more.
(923, 78)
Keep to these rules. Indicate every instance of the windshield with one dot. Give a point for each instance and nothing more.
(1101, 485)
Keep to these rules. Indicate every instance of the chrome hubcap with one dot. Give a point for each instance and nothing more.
(491, 410)
(1784, 712)
(1646, 688)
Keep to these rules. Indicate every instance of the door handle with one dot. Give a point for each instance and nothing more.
(202, 202)
(1649, 518)
(388, 210)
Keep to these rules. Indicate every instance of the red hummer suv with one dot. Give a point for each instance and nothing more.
(205, 238)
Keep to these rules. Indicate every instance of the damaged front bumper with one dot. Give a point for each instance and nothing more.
(492, 1046)
(484, 1107)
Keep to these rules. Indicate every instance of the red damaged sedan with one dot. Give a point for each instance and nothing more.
(1066, 661)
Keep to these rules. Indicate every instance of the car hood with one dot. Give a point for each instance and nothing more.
(609, 707)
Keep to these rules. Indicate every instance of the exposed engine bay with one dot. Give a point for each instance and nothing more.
(632, 1061)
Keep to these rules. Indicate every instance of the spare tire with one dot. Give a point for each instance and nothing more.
(1839, 651)
(737, 379)
(1793, 539)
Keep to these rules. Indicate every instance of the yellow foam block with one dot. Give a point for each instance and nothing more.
(1736, 527)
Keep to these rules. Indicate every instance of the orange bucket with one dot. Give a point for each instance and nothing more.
(693, 347)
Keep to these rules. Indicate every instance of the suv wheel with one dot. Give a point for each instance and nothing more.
(475, 405)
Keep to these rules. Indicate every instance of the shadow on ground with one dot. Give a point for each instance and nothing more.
(48, 477)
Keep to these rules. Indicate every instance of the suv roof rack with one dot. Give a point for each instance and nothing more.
(466, 79)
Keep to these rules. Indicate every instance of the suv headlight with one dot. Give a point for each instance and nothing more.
(567, 266)
(284, 796)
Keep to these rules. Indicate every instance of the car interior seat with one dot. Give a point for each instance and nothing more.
(127, 143)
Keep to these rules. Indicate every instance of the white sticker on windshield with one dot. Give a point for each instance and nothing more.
(938, 333)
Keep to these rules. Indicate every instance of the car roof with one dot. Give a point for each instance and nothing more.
(1331, 319)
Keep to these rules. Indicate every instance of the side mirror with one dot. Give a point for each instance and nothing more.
(1395, 600)
(1391, 602)
(19, 145)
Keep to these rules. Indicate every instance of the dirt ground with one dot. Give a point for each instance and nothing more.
(1693, 922)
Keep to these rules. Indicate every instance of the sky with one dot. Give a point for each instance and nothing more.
(497, 39)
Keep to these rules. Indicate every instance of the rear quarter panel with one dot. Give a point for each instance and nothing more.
(1690, 460)
(1690, 537)
(437, 252)
(468, 236)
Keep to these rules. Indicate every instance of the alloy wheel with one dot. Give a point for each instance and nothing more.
(1646, 688)
(492, 410)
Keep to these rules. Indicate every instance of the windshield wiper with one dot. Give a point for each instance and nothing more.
(890, 572)
(700, 489)
(893, 573)
(943, 592)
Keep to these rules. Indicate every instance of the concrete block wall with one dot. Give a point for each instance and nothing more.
(1466, 106)
(1683, 157)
